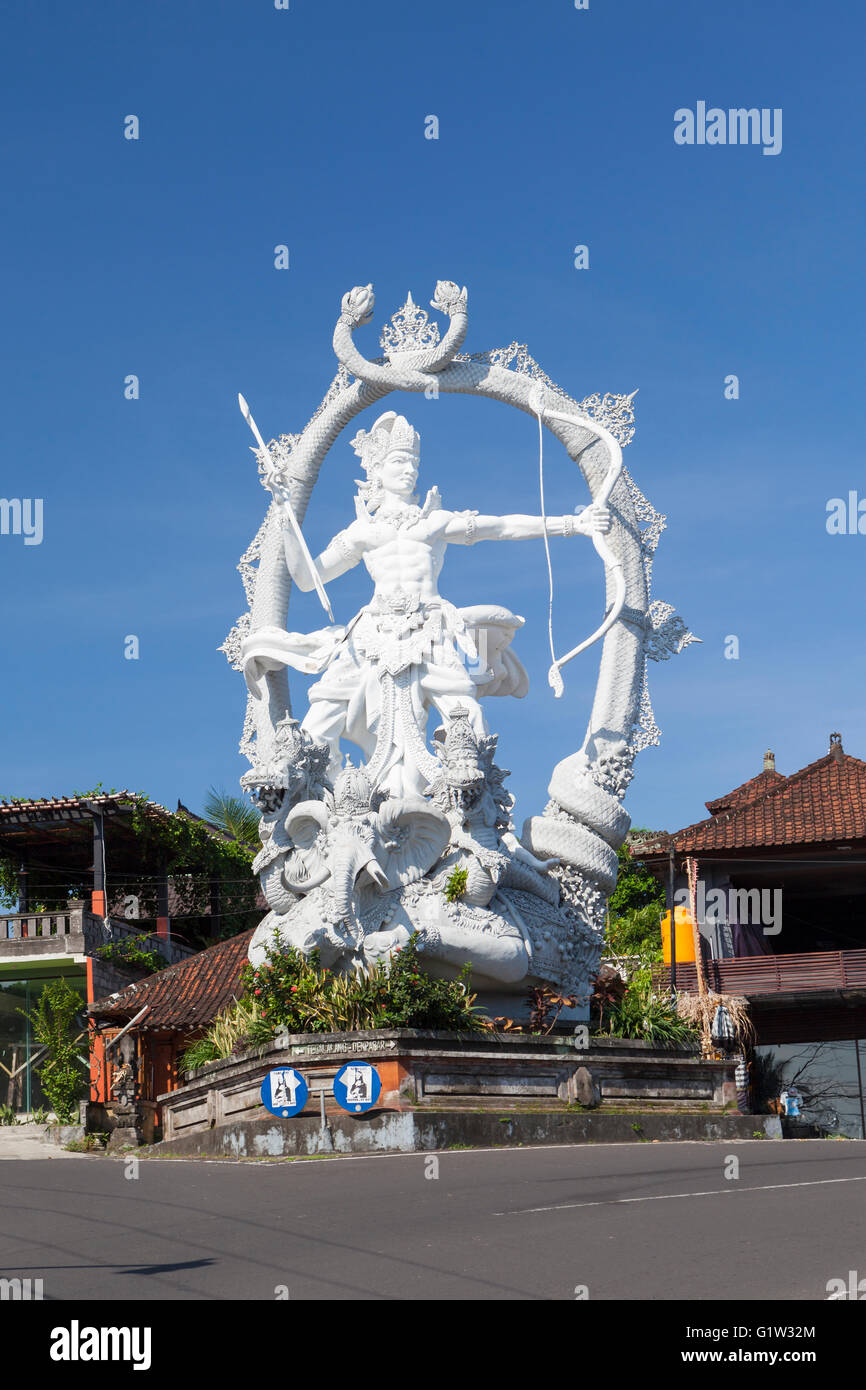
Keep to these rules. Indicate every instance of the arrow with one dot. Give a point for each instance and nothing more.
(283, 499)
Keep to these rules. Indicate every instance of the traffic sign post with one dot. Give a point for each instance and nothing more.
(357, 1087)
(284, 1092)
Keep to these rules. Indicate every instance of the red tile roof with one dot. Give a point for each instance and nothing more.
(185, 997)
(748, 791)
(825, 801)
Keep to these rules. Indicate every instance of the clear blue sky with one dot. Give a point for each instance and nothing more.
(306, 127)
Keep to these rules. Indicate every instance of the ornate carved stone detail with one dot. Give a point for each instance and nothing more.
(410, 330)
(668, 634)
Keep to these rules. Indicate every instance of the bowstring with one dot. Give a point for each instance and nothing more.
(546, 537)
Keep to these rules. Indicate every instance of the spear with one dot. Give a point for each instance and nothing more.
(283, 498)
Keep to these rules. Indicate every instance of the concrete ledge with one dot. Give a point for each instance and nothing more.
(62, 1134)
(422, 1132)
(32, 1140)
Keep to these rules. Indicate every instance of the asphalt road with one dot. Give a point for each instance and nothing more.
(636, 1221)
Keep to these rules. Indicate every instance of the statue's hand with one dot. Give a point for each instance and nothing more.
(358, 305)
(594, 520)
(448, 298)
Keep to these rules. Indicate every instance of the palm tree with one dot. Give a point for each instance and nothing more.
(233, 816)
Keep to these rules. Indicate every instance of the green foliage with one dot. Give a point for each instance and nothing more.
(634, 911)
(91, 1143)
(456, 885)
(636, 931)
(233, 815)
(8, 884)
(635, 886)
(642, 1013)
(241, 1026)
(413, 999)
(195, 858)
(292, 992)
(128, 952)
(7, 1115)
(56, 1027)
(198, 1054)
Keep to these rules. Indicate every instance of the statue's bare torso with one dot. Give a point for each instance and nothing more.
(409, 560)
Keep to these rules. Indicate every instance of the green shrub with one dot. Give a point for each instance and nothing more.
(635, 931)
(128, 952)
(635, 885)
(642, 1013)
(413, 999)
(55, 1026)
(292, 992)
(91, 1143)
(241, 1026)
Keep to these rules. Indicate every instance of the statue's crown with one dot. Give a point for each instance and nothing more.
(458, 750)
(352, 791)
(410, 330)
(390, 431)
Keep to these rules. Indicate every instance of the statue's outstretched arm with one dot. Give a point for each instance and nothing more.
(464, 528)
(340, 555)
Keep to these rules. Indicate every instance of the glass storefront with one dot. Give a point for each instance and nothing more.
(19, 1059)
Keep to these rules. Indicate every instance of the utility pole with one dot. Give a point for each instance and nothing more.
(672, 875)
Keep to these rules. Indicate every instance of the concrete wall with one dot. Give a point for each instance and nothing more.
(416, 1131)
(442, 1071)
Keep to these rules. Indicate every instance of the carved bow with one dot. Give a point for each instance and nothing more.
(611, 562)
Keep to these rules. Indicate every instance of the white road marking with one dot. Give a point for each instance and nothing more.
(673, 1196)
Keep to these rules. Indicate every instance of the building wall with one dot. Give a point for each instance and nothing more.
(828, 1069)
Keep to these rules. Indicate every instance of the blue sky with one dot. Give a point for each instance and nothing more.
(306, 127)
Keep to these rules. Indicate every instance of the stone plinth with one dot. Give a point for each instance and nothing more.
(425, 1072)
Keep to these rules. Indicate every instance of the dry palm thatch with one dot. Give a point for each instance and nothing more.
(699, 1010)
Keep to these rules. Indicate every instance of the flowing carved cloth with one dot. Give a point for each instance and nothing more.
(383, 672)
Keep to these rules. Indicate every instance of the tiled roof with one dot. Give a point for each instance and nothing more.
(184, 997)
(825, 801)
(748, 791)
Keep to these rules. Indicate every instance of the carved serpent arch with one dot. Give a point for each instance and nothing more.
(585, 823)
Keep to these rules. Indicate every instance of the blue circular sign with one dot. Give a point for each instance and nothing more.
(357, 1086)
(284, 1092)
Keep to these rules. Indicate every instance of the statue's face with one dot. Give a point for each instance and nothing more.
(400, 473)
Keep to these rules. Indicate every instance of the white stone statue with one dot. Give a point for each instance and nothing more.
(420, 839)
(409, 649)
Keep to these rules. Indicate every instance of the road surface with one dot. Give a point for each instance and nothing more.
(635, 1221)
